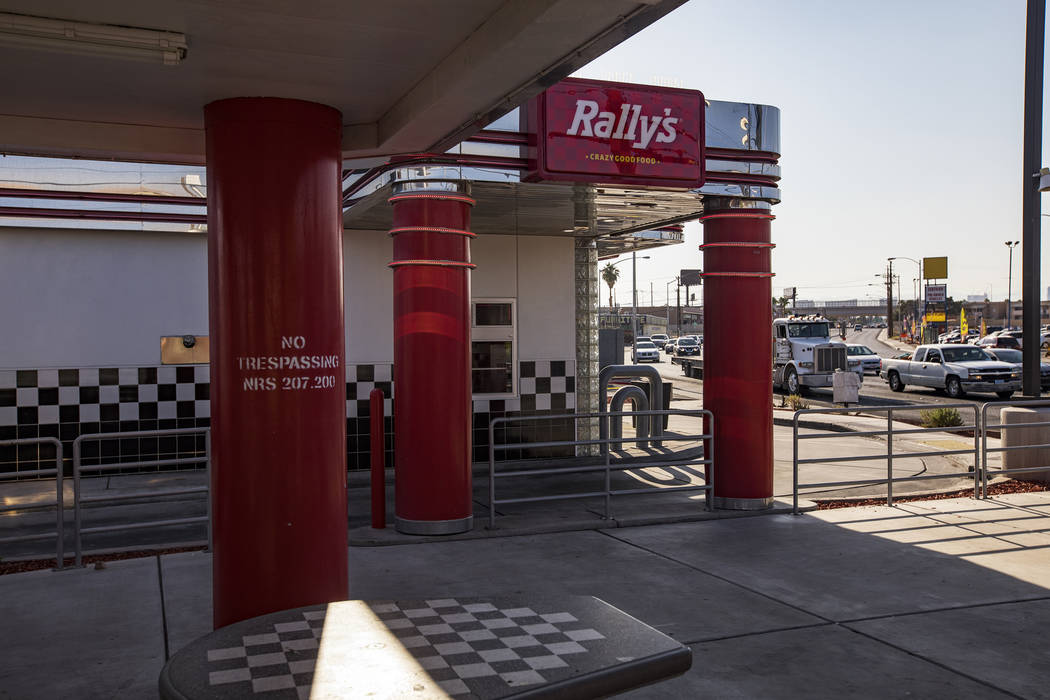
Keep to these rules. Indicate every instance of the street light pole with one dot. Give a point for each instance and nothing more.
(1009, 280)
(667, 302)
(634, 305)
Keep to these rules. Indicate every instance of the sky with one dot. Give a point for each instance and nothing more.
(901, 132)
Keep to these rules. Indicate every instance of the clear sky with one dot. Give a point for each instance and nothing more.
(901, 128)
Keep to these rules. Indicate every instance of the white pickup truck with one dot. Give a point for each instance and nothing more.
(956, 369)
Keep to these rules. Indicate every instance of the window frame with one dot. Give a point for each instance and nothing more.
(495, 334)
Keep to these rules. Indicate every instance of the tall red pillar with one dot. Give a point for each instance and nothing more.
(432, 405)
(738, 353)
(275, 304)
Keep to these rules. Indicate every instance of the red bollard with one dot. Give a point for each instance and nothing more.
(378, 442)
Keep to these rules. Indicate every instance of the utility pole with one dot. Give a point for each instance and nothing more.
(634, 303)
(889, 299)
(678, 317)
(1035, 26)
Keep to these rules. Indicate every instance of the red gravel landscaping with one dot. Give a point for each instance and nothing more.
(999, 489)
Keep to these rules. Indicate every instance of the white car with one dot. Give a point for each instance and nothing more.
(869, 361)
(645, 350)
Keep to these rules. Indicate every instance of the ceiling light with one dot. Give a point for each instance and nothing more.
(65, 36)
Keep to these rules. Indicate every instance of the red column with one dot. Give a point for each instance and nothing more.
(432, 405)
(275, 303)
(738, 354)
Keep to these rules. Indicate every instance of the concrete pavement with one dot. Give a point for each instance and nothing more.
(936, 599)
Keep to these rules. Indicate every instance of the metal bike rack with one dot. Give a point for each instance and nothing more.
(572, 466)
(59, 497)
(79, 500)
(889, 455)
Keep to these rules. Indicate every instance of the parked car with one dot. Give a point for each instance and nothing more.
(1014, 358)
(687, 346)
(999, 341)
(869, 361)
(956, 369)
(645, 350)
(858, 327)
(659, 339)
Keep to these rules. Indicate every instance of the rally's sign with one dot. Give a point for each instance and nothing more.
(612, 133)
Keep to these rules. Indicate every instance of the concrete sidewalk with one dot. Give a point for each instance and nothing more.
(937, 599)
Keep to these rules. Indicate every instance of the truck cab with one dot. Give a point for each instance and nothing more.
(804, 354)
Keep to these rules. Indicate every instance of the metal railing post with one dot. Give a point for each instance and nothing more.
(889, 457)
(709, 471)
(984, 449)
(207, 477)
(492, 474)
(794, 464)
(77, 563)
(60, 505)
(608, 477)
(977, 471)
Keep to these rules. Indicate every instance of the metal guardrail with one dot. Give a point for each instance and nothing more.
(1003, 427)
(56, 472)
(889, 454)
(608, 466)
(79, 469)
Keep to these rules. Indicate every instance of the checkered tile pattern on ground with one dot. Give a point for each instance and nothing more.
(282, 660)
(465, 647)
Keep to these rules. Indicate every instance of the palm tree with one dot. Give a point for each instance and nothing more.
(610, 273)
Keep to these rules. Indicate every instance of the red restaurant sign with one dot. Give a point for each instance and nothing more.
(611, 133)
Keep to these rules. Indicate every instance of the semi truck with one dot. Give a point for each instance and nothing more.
(805, 356)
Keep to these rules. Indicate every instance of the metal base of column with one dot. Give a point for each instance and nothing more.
(434, 527)
(725, 503)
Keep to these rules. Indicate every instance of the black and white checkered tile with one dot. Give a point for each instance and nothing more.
(52, 396)
(361, 380)
(66, 403)
(466, 648)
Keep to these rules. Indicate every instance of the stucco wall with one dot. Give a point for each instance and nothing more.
(90, 298)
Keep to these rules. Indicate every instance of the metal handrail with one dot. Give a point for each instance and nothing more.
(608, 466)
(1002, 428)
(56, 472)
(889, 455)
(79, 468)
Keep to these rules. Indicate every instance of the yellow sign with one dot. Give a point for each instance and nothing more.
(983, 333)
(934, 317)
(935, 268)
(963, 327)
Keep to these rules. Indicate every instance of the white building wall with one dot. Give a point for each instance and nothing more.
(89, 298)
(535, 270)
(368, 297)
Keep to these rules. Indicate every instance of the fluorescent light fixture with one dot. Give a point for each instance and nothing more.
(65, 36)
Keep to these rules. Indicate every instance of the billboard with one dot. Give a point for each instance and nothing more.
(611, 133)
(935, 268)
(936, 293)
(689, 278)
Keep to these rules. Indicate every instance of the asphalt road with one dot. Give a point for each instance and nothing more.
(874, 390)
